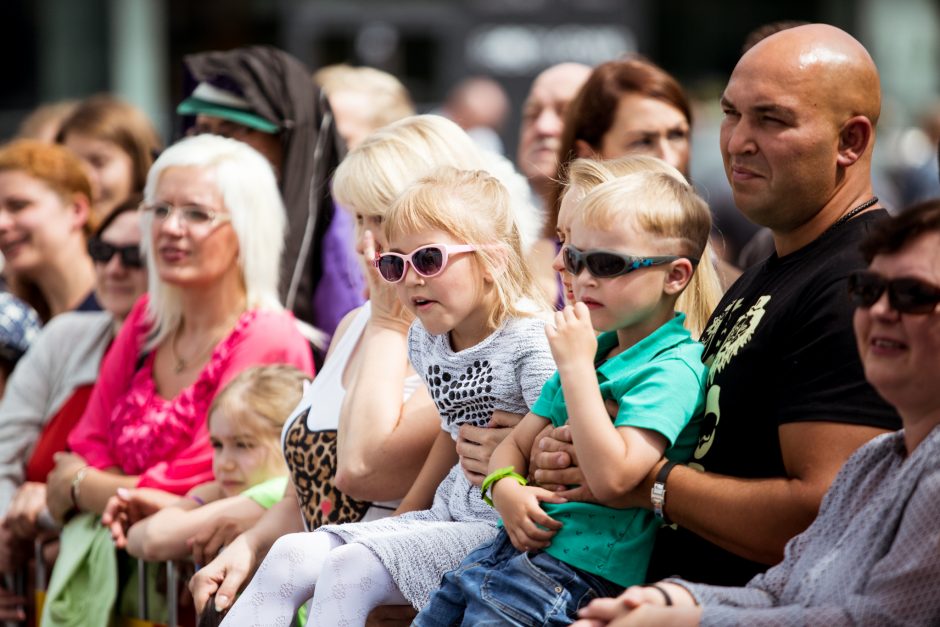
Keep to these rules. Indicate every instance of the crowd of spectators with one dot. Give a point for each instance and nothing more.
(353, 366)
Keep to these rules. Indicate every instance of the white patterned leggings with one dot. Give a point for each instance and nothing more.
(346, 582)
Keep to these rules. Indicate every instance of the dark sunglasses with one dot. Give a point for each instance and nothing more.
(428, 261)
(102, 252)
(905, 295)
(606, 264)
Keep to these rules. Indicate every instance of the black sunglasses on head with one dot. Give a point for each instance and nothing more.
(905, 295)
(102, 252)
(606, 264)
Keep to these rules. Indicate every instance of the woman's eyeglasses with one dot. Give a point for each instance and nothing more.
(102, 252)
(606, 264)
(905, 295)
(428, 261)
(193, 216)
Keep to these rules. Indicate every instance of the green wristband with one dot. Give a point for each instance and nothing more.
(496, 475)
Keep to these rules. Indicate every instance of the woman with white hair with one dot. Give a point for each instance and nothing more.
(213, 225)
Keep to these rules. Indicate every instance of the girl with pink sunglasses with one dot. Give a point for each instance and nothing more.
(479, 346)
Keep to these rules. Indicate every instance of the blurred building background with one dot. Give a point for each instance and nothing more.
(56, 49)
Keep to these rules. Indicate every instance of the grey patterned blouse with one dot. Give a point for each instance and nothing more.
(871, 557)
(506, 372)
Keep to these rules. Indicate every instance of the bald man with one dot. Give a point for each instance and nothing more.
(542, 122)
(787, 402)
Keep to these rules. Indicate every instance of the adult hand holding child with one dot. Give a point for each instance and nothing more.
(475, 445)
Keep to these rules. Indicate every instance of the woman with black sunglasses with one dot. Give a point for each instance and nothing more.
(870, 557)
(50, 387)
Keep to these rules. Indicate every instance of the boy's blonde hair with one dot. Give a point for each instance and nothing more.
(583, 175)
(473, 207)
(666, 207)
(268, 393)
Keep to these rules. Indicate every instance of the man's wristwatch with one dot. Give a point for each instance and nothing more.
(658, 493)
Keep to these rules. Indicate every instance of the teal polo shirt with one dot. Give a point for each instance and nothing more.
(658, 384)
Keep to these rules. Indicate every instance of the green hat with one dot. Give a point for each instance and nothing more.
(208, 99)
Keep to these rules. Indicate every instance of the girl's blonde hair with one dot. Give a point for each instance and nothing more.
(269, 393)
(473, 207)
(386, 162)
(666, 207)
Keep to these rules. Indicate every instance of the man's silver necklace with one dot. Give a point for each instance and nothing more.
(854, 212)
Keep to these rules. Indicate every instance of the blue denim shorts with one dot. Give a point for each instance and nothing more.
(498, 585)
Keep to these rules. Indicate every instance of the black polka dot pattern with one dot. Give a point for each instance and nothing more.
(463, 396)
(504, 372)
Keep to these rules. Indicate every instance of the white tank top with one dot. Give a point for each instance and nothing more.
(327, 391)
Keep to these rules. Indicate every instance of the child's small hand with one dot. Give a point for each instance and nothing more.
(572, 338)
(527, 524)
(129, 507)
(214, 536)
(115, 517)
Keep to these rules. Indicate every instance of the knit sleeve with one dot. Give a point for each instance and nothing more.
(534, 361)
(25, 409)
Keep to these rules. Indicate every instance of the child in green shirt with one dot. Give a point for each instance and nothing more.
(244, 421)
(633, 248)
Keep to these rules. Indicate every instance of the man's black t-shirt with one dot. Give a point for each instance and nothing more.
(780, 349)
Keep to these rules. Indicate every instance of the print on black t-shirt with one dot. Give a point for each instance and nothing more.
(780, 349)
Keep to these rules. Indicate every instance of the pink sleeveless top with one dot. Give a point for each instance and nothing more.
(128, 425)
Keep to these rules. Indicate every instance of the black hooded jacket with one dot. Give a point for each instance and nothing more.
(279, 88)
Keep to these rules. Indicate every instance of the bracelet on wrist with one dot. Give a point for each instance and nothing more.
(75, 489)
(509, 472)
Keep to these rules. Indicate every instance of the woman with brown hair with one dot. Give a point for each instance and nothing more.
(118, 144)
(627, 106)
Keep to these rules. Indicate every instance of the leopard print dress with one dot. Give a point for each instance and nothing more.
(309, 441)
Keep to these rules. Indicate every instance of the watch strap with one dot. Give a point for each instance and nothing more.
(658, 493)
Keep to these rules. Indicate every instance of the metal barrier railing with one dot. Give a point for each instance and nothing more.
(143, 598)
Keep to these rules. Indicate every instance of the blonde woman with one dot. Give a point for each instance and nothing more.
(479, 346)
(363, 99)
